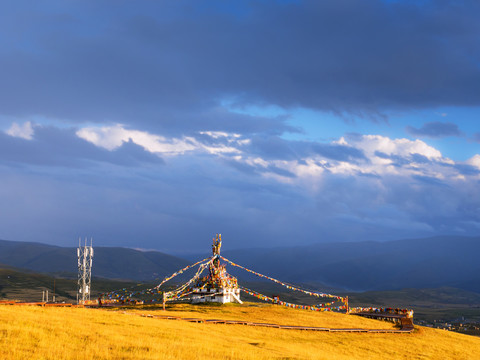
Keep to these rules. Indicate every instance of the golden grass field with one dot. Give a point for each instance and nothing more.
(29, 332)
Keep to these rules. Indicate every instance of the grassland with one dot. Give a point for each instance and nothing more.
(78, 333)
(429, 304)
(267, 314)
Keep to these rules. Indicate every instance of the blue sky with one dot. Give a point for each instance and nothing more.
(324, 126)
(276, 123)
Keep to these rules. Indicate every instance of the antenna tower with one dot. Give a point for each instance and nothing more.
(85, 255)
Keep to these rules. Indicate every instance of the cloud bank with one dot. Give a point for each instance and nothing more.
(156, 124)
(352, 188)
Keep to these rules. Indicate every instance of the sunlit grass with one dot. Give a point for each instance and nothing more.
(266, 313)
(76, 333)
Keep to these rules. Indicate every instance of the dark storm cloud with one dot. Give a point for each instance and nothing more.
(170, 65)
(435, 129)
(52, 146)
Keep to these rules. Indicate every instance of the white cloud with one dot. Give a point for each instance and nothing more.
(112, 137)
(382, 155)
(315, 166)
(217, 134)
(474, 161)
(24, 131)
(400, 147)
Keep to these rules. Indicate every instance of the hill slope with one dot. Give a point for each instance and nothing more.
(28, 286)
(52, 333)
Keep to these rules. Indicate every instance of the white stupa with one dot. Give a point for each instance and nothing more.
(218, 285)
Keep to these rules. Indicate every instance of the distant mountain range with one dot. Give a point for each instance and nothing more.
(109, 262)
(414, 263)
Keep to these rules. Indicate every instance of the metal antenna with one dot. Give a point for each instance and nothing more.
(85, 255)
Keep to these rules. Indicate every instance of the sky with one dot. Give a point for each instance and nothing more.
(156, 124)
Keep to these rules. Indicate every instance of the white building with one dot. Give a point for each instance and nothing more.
(218, 286)
(221, 295)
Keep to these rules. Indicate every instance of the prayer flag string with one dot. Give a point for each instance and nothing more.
(324, 307)
(126, 293)
(184, 290)
(187, 288)
(181, 271)
(288, 286)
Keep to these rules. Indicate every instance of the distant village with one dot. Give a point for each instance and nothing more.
(460, 325)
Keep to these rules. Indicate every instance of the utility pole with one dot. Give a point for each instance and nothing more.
(85, 255)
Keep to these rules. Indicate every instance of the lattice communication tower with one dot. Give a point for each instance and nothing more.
(85, 256)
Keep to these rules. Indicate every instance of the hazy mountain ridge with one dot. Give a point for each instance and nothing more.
(430, 262)
(413, 263)
(109, 262)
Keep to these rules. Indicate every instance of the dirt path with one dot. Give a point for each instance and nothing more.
(406, 324)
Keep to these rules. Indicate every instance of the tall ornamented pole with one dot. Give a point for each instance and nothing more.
(215, 265)
(346, 305)
(217, 245)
